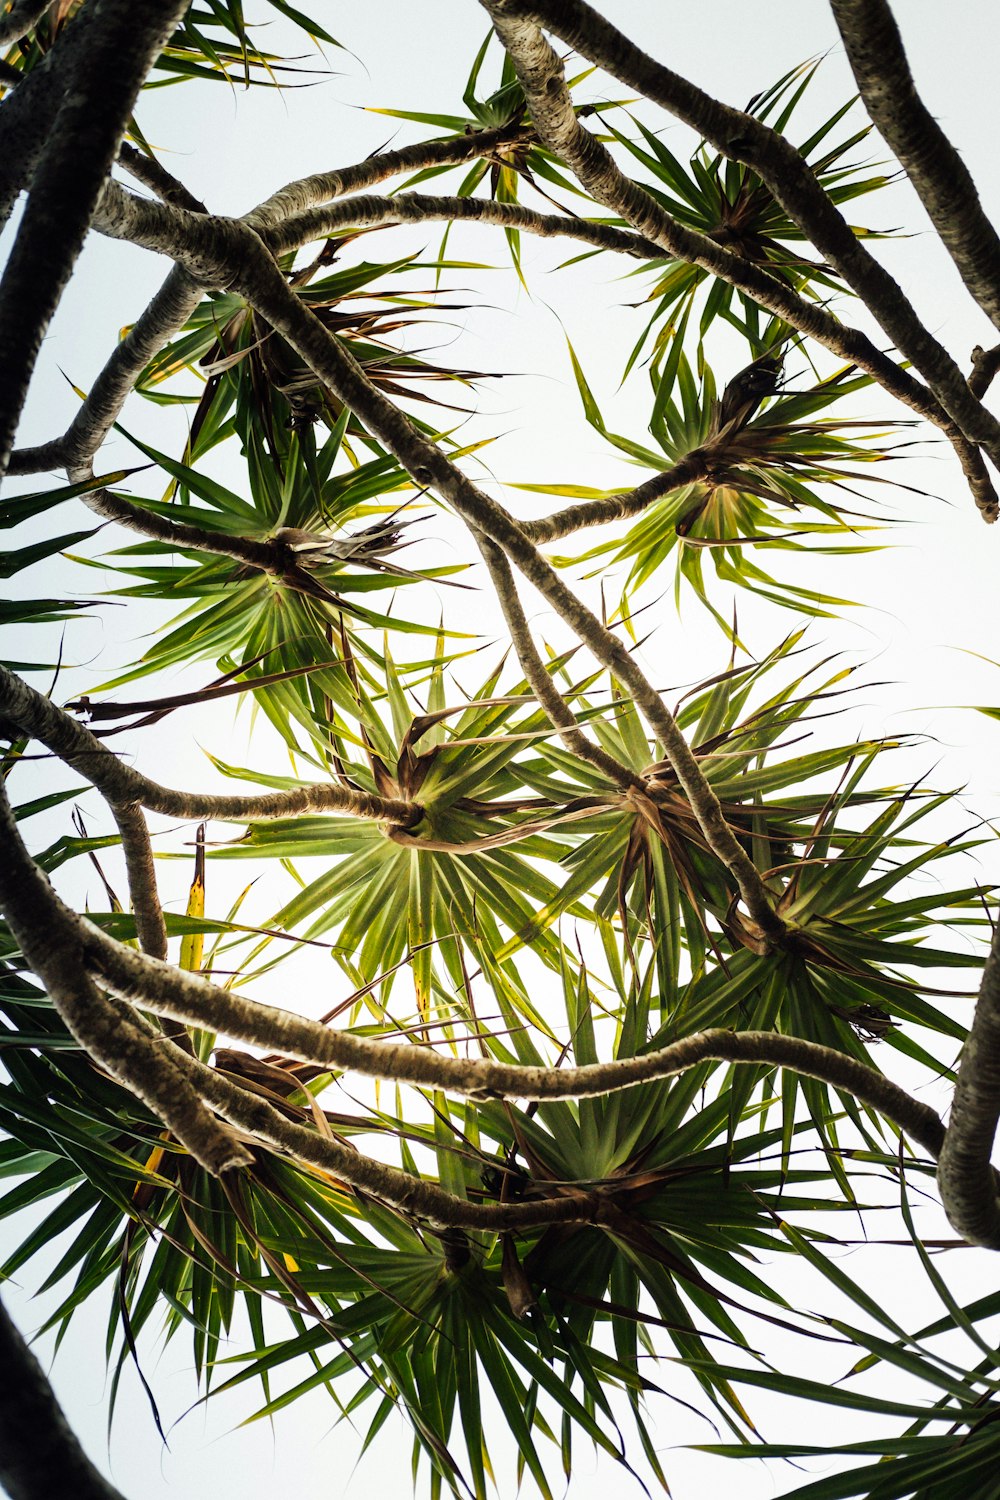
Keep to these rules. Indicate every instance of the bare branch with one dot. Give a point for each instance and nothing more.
(151, 930)
(942, 180)
(451, 150)
(965, 1178)
(36, 716)
(985, 364)
(196, 1000)
(152, 174)
(22, 17)
(39, 1455)
(421, 208)
(110, 66)
(166, 313)
(692, 467)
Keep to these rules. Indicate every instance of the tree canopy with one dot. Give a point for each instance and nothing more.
(540, 1004)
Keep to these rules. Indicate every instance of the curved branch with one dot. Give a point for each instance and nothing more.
(966, 1179)
(168, 311)
(22, 17)
(942, 180)
(688, 470)
(421, 208)
(38, 717)
(196, 1000)
(451, 150)
(400, 1190)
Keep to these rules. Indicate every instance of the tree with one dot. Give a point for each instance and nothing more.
(610, 972)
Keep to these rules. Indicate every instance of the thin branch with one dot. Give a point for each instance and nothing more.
(985, 364)
(942, 180)
(111, 65)
(692, 467)
(144, 896)
(948, 402)
(150, 928)
(965, 1178)
(196, 1000)
(152, 174)
(402, 1191)
(40, 1457)
(168, 311)
(59, 732)
(539, 680)
(52, 942)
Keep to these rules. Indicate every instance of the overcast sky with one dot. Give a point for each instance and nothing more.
(933, 595)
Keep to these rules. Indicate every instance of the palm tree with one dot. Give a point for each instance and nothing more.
(622, 995)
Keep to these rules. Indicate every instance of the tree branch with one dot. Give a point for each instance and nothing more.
(966, 1180)
(452, 150)
(422, 208)
(196, 1000)
(942, 180)
(39, 1456)
(539, 680)
(688, 470)
(111, 63)
(152, 174)
(121, 785)
(22, 17)
(167, 312)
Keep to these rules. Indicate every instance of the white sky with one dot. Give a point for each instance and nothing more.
(935, 592)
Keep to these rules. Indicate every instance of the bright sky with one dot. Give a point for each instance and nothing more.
(935, 591)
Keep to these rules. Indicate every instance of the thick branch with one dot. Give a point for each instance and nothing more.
(965, 1178)
(38, 717)
(421, 208)
(114, 58)
(51, 939)
(451, 150)
(938, 173)
(27, 113)
(787, 176)
(40, 1458)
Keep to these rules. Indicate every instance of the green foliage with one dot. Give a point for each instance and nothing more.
(536, 910)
